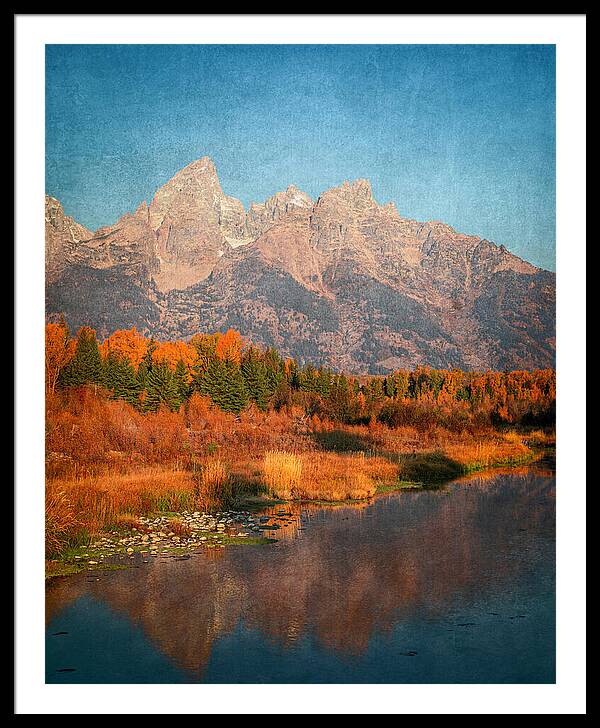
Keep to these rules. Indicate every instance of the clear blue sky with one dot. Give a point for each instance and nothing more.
(462, 134)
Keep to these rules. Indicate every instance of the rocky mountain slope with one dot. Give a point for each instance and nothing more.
(341, 280)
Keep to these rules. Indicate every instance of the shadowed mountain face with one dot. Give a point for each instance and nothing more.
(341, 281)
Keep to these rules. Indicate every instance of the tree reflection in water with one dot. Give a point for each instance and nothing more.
(340, 575)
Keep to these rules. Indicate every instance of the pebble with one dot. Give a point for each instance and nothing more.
(153, 534)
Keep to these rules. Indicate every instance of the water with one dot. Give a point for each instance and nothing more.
(448, 586)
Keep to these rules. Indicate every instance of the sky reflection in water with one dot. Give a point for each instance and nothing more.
(455, 585)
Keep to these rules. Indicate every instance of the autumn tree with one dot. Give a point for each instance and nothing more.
(173, 352)
(229, 347)
(127, 343)
(59, 351)
(231, 374)
(283, 395)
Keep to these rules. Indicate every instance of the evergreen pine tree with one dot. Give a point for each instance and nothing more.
(145, 366)
(124, 384)
(181, 381)
(224, 384)
(254, 373)
(161, 388)
(323, 381)
(339, 401)
(86, 365)
(293, 375)
(376, 389)
(275, 370)
(109, 368)
(389, 387)
(308, 376)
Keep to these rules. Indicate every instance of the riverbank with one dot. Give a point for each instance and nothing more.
(389, 589)
(104, 522)
(174, 535)
(131, 433)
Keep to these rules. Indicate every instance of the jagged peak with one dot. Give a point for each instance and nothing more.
(55, 211)
(296, 196)
(199, 165)
(362, 186)
(291, 195)
(200, 174)
(52, 204)
(390, 207)
(440, 226)
(357, 193)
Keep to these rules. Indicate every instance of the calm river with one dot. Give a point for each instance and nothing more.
(447, 586)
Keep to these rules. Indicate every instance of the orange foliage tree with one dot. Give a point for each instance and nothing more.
(127, 343)
(60, 349)
(229, 346)
(172, 352)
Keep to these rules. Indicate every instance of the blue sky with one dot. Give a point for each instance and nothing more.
(463, 134)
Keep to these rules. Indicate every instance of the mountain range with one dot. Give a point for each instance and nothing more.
(341, 280)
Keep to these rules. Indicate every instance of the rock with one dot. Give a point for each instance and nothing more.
(426, 291)
(63, 236)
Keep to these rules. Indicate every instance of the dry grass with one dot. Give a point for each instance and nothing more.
(62, 521)
(474, 456)
(179, 528)
(283, 473)
(107, 463)
(128, 521)
(76, 509)
(540, 438)
(86, 434)
(325, 475)
(213, 484)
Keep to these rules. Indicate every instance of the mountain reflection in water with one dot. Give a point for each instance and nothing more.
(453, 585)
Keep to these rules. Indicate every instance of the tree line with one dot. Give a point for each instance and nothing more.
(235, 374)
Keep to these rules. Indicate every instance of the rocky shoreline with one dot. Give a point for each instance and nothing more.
(172, 534)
